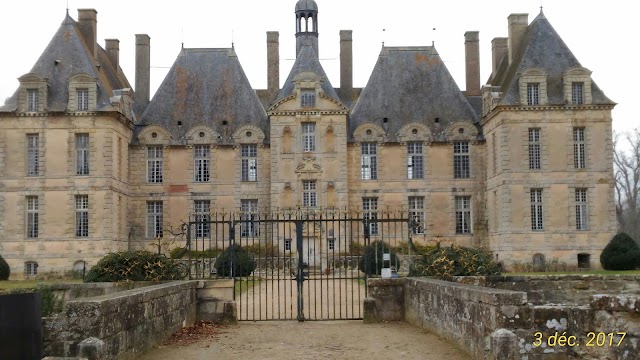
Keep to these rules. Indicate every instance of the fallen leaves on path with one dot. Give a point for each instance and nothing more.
(201, 330)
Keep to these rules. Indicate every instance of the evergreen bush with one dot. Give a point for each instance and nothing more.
(454, 261)
(136, 266)
(373, 257)
(622, 253)
(5, 270)
(243, 262)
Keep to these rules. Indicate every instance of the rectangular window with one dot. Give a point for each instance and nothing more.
(154, 219)
(416, 214)
(203, 217)
(331, 244)
(249, 215)
(582, 219)
(201, 159)
(33, 152)
(577, 91)
(579, 158)
(308, 137)
(30, 268)
(287, 244)
(537, 222)
(154, 164)
(32, 216)
(369, 167)
(370, 214)
(82, 154)
(533, 94)
(309, 195)
(83, 99)
(415, 161)
(33, 100)
(308, 98)
(82, 215)
(249, 153)
(463, 214)
(534, 149)
(461, 168)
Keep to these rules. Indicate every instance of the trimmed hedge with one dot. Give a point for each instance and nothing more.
(136, 266)
(454, 261)
(373, 256)
(622, 253)
(5, 270)
(243, 262)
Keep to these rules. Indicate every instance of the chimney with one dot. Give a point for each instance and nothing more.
(499, 48)
(273, 63)
(517, 27)
(113, 50)
(88, 24)
(143, 57)
(346, 60)
(472, 60)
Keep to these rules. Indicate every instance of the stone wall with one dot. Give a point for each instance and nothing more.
(128, 323)
(492, 323)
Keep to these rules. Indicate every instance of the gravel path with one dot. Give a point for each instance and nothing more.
(345, 340)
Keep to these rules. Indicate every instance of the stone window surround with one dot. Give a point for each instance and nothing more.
(79, 82)
(577, 75)
(32, 82)
(531, 76)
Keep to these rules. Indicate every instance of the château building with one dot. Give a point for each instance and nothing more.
(521, 165)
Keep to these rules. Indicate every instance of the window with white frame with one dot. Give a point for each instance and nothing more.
(331, 244)
(33, 152)
(309, 194)
(416, 214)
(201, 161)
(308, 98)
(249, 217)
(369, 162)
(82, 95)
(534, 149)
(582, 219)
(30, 268)
(415, 161)
(577, 93)
(154, 164)
(579, 158)
(537, 222)
(287, 244)
(533, 94)
(461, 167)
(249, 154)
(370, 213)
(308, 136)
(82, 154)
(202, 209)
(154, 219)
(33, 100)
(82, 215)
(32, 216)
(463, 214)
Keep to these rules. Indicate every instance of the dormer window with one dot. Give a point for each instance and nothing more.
(533, 87)
(577, 93)
(533, 94)
(82, 95)
(33, 100)
(83, 92)
(308, 98)
(577, 86)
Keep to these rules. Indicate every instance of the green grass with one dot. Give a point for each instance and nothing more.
(587, 272)
(26, 284)
(242, 286)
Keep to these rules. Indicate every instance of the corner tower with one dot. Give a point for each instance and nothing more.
(306, 25)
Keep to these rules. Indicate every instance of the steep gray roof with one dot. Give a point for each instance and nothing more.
(541, 48)
(205, 87)
(67, 55)
(411, 84)
(307, 61)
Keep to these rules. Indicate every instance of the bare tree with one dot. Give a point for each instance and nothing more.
(627, 173)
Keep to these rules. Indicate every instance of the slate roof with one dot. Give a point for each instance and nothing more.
(307, 61)
(206, 87)
(541, 48)
(411, 84)
(69, 49)
(306, 5)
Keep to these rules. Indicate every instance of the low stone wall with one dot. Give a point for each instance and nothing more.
(73, 291)
(491, 323)
(559, 289)
(125, 324)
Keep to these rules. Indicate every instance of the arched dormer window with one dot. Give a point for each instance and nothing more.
(577, 86)
(533, 87)
(83, 93)
(32, 94)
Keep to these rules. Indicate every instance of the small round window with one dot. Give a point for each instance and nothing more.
(461, 130)
(368, 131)
(414, 131)
(248, 134)
(201, 134)
(154, 135)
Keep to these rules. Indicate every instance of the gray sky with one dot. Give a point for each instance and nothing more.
(599, 34)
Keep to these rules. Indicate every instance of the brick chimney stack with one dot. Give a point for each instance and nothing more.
(88, 24)
(143, 67)
(472, 57)
(113, 50)
(346, 60)
(273, 64)
(517, 27)
(499, 48)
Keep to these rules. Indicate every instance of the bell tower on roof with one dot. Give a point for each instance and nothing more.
(306, 25)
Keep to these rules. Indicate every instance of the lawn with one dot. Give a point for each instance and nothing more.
(243, 285)
(26, 284)
(587, 272)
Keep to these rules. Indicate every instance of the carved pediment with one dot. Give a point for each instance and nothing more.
(308, 166)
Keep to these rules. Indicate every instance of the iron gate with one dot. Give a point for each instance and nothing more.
(297, 265)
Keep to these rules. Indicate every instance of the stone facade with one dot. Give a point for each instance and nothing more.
(467, 164)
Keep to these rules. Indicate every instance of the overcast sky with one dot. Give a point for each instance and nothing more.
(600, 34)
